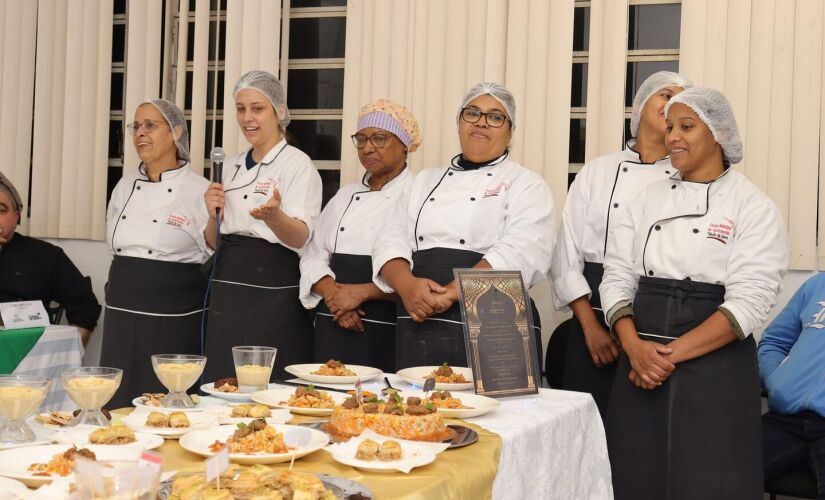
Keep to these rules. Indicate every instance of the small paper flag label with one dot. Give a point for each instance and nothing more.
(216, 464)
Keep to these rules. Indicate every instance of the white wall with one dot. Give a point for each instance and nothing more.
(93, 259)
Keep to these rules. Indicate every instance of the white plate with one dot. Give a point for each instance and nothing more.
(224, 415)
(13, 463)
(413, 455)
(79, 436)
(13, 489)
(197, 420)
(199, 441)
(206, 402)
(229, 396)
(418, 375)
(361, 372)
(277, 398)
(477, 405)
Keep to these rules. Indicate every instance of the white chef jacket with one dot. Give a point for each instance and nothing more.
(503, 211)
(161, 220)
(285, 167)
(600, 191)
(724, 232)
(348, 224)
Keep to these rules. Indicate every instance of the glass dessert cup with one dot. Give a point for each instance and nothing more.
(253, 367)
(20, 396)
(90, 388)
(178, 372)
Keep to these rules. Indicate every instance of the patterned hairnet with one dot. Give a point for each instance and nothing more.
(392, 117)
(654, 83)
(270, 87)
(497, 92)
(174, 117)
(713, 108)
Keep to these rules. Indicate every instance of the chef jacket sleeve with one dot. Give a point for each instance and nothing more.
(527, 242)
(396, 241)
(567, 266)
(315, 261)
(757, 264)
(620, 281)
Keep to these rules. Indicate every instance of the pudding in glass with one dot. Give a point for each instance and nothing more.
(177, 372)
(16, 402)
(91, 388)
(20, 395)
(253, 367)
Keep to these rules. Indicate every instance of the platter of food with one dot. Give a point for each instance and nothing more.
(302, 400)
(244, 413)
(447, 378)
(226, 388)
(168, 424)
(333, 372)
(458, 405)
(113, 435)
(153, 401)
(255, 443)
(38, 465)
(375, 453)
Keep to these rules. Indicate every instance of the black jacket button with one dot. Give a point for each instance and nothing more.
(461, 241)
(695, 230)
(420, 238)
(658, 227)
(615, 205)
(650, 273)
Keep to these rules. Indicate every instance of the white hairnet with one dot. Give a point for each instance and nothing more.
(713, 108)
(654, 83)
(497, 92)
(270, 87)
(174, 117)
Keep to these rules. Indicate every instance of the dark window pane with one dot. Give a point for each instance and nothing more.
(222, 41)
(187, 91)
(192, 5)
(581, 28)
(627, 134)
(211, 90)
(219, 43)
(116, 95)
(118, 43)
(218, 133)
(120, 7)
(113, 175)
(317, 3)
(320, 139)
(638, 72)
(213, 5)
(578, 96)
(654, 26)
(318, 37)
(316, 89)
(570, 177)
(207, 144)
(577, 133)
(116, 133)
(331, 180)
(190, 41)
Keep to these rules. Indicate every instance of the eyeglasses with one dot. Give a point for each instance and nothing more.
(378, 141)
(148, 126)
(493, 119)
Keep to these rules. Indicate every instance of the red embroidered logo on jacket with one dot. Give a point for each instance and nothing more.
(178, 220)
(721, 231)
(265, 185)
(495, 191)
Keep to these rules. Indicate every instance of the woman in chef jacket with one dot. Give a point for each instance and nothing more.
(483, 210)
(355, 320)
(692, 269)
(268, 201)
(155, 292)
(601, 189)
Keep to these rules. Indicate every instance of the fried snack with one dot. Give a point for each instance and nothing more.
(334, 368)
(226, 384)
(61, 464)
(178, 420)
(309, 397)
(59, 418)
(256, 482)
(367, 450)
(390, 450)
(115, 434)
(152, 398)
(445, 375)
(157, 419)
(251, 410)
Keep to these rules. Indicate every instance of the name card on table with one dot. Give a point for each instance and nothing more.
(498, 332)
(23, 315)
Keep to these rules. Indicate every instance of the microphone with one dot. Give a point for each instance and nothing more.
(217, 156)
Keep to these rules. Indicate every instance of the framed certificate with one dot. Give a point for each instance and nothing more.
(498, 332)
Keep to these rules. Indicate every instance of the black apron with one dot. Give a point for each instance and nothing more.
(254, 301)
(152, 307)
(697, 435)
(580, 374)
(376, 345)
(439, 339)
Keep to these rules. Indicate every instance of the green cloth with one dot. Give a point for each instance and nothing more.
(15, 345)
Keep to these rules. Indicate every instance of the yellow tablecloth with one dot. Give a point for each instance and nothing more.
(459, 473)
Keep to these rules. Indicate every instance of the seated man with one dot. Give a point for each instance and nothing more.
(792, 368)
(32, 269)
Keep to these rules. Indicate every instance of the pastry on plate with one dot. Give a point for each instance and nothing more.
(367, 450)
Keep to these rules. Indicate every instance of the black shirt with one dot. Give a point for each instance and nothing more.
(32, 269)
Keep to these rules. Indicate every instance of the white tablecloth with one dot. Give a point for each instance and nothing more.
(59, 348)
(553, 445)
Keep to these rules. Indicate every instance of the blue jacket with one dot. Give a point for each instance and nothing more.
(792, 352)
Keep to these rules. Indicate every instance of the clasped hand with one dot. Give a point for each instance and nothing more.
(649, 362)
(423, 297)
